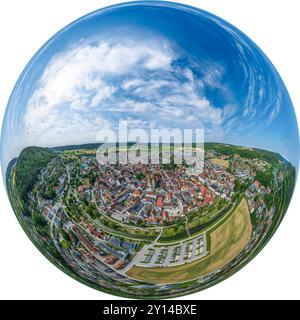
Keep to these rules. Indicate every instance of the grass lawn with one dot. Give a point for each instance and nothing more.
(174, 233)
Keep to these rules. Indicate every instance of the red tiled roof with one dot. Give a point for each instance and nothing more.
(159, 202)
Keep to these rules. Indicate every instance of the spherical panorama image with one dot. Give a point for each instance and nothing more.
(150, 149)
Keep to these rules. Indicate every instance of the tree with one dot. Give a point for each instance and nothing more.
(38, 219)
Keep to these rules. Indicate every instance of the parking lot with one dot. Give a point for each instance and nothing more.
(171, 255)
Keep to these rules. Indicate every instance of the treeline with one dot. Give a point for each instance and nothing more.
(29, 164)
(253, 153)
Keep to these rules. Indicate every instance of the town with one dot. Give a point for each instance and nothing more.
(111, 222)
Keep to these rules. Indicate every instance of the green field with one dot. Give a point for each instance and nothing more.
(174, 233)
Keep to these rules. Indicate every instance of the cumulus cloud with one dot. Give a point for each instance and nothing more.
(145, 79)
(95, 85)
(91, 86)
(74, 82)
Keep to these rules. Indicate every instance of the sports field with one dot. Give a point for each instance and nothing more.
(227, 241)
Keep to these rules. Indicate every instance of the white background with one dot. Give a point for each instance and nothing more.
(26, 25)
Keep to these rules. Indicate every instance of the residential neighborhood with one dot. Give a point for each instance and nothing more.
(124, 223)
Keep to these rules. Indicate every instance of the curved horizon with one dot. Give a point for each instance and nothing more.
(148, 63)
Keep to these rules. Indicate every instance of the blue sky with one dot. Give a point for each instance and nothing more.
(156, 65)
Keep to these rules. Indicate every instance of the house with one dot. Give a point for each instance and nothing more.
(256, 184)
(165, 215)
(203, 191)
(83, 188)
(208, 200)
(159, 202)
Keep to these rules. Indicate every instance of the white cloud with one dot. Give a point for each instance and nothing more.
(141, 107)
(93, 86)
(73, 81)
(102, 94)
(132, 83)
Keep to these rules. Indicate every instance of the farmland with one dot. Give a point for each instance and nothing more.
(220, 162)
